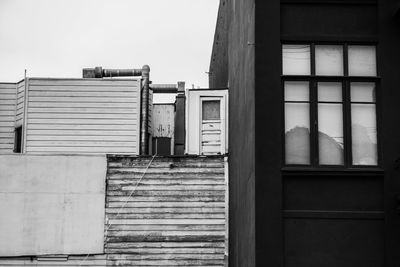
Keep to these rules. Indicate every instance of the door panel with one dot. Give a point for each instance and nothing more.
(211, 126)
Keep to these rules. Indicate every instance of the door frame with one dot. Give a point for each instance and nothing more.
(222, 119)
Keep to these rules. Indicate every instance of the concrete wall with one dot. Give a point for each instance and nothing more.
(82, 116)
(51, 204)
(8, 96)
(241, 53)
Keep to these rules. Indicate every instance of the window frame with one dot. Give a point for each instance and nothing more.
(346, 81)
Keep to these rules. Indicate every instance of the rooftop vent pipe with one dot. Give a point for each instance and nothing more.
(99, 72)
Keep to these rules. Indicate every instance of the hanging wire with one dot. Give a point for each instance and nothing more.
(123, 206)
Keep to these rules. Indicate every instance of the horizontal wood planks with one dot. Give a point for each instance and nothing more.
(83, 116)
(175, 216)
(8, 98)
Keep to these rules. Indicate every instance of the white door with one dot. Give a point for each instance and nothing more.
(211, 125)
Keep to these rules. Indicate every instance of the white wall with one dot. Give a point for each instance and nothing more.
(83, 116)
(193, 116)
(52, 204)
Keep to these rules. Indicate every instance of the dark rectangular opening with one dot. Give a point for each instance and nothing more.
(18, 140)
(162, 146)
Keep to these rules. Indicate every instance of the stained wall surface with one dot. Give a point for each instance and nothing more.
(51, 204)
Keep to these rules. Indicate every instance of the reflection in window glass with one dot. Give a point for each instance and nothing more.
(362, 60)
(330, 134)
(330, 91)
(297, 91)
(362, 92)
(329, 60)
(296, 60)
(211, 110)
(297, 123)
(363, 126)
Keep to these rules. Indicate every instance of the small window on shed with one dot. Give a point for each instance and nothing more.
(18, 140)
(211, 110)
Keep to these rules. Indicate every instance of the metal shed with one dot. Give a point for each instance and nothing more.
(85, 116)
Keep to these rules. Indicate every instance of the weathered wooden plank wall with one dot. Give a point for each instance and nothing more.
(8, 95)
(176, 216)
(83, 116)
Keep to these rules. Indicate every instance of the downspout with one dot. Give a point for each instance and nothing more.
(144, 137)
(99, 72)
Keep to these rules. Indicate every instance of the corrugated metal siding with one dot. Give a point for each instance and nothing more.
(7, 116)
(92, 260)
(176, 216)
(83, 116)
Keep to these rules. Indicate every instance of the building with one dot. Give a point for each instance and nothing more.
(73, 116)
(206, 121)
(314, 147)
(81, 186)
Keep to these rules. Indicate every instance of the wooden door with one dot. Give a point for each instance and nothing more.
(211, 125)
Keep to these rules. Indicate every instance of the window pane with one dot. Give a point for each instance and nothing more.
(296, 59)
(364, 139)
(330, 92)
(297, 133)
(330, 134)
(329, 60)
(362, 92)
(297, 91)
(362, 60)
(211, 110)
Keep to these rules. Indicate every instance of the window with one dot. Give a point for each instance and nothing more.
(330, 104)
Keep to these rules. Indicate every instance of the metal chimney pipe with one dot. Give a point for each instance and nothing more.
(99, 72)
(144, 137)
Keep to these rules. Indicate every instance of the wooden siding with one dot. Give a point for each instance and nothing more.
(7, 116)
(83, 116)
(176, 216)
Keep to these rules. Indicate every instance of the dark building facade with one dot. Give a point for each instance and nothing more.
(314, 137)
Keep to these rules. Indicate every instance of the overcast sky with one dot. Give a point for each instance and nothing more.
(57, 38)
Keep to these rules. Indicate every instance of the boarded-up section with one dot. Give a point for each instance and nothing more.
(8, 95)
(83, 116)
(176, 216)
(51, 204)
(163, 125)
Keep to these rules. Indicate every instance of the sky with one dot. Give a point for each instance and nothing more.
(58, 38)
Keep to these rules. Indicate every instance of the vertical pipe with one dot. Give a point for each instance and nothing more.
(144, 137)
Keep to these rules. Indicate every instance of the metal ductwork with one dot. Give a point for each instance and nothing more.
(164, 88)
(99, 72)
